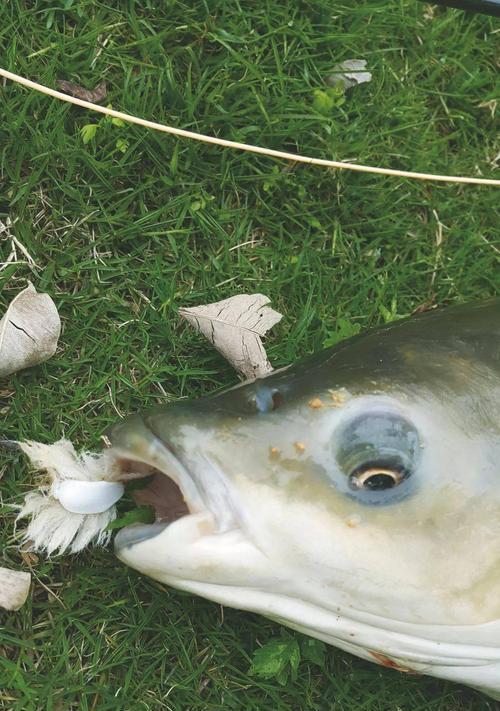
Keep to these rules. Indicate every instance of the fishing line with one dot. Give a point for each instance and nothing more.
(235, 145)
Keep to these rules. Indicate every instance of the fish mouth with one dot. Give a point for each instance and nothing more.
(162, 495)
(172, 488)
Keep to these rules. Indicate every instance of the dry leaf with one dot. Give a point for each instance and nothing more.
(29, 331)
(29, 559)
(235, 326)
(14, 588)
(350, 73)
(79, 92)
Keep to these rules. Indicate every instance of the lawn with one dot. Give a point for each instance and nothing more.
(131, 225)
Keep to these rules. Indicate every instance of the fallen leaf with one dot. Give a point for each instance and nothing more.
(235, 326)
(313, 650)
(29, 331)
(278, 659)
(141, 514)
(79, 92)
(29, 559)
(325, 101)
(122, 145)
(88, 132)
(14, 588)
(349, 73)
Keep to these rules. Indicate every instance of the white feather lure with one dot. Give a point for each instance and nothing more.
(75, 503)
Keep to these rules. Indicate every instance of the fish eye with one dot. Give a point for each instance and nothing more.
(377, 454)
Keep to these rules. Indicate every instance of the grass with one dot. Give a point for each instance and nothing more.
(133, 224)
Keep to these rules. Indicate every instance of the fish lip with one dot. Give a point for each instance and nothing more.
(136, 533)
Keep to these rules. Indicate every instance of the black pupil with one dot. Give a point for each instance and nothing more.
(378, 482)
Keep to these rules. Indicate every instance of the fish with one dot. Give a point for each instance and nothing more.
(353, 496)
(489, 7)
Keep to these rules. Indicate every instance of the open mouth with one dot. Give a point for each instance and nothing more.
(174, 489)
(158, 491)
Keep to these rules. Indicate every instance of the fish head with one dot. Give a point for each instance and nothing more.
(363, 481)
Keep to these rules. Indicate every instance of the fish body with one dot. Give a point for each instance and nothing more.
(354, 496)
(490, 7)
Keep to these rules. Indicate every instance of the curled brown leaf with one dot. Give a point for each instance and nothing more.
(79, 92)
